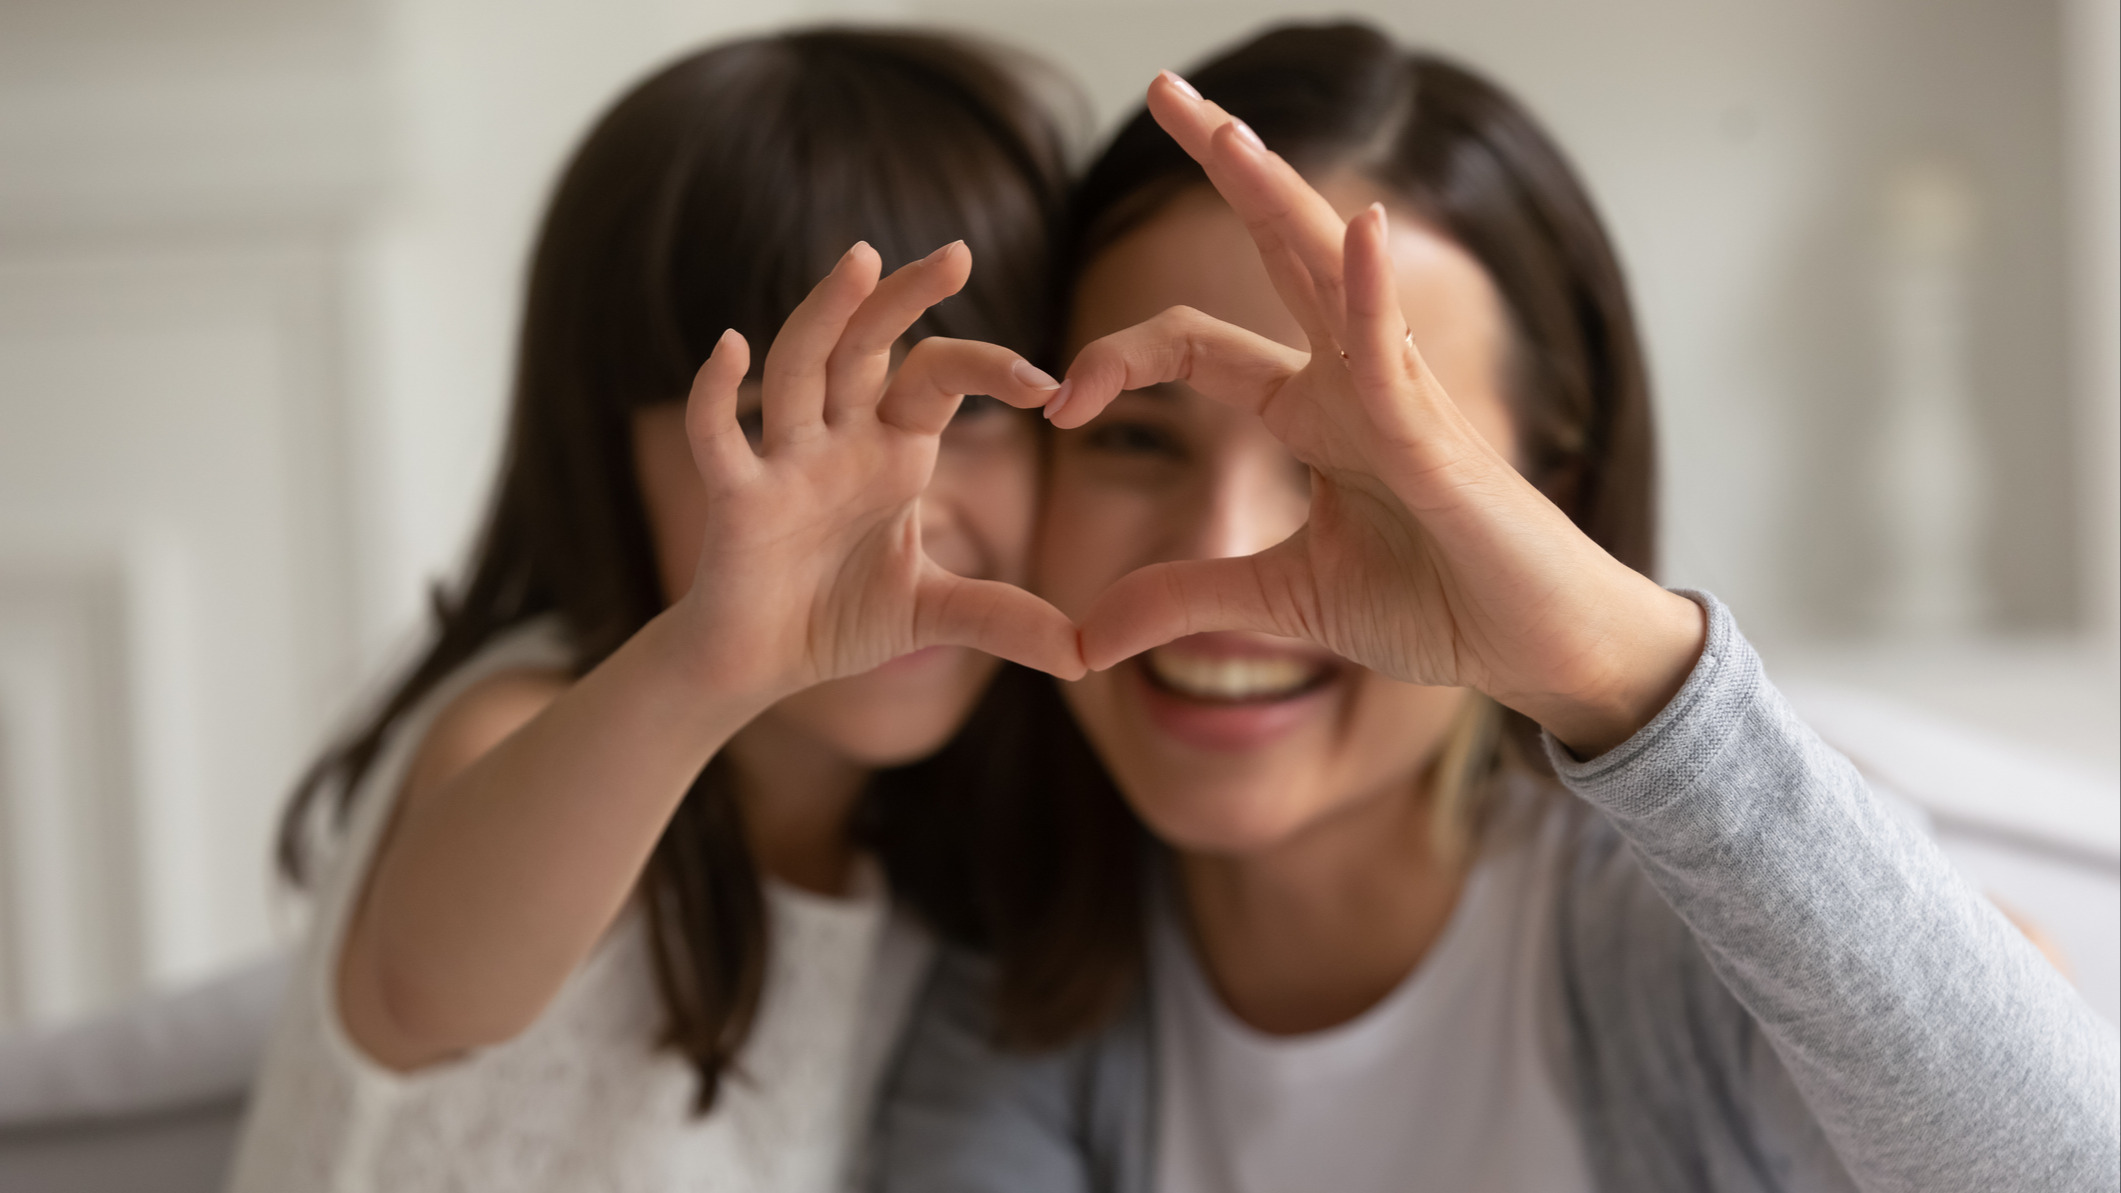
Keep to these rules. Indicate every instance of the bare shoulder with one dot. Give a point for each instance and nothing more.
(479, 719)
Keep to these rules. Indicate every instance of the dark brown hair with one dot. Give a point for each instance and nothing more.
(714, 195)
(1062, 884)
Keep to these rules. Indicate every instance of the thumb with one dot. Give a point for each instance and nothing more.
(1150, 606)
(1000, 619)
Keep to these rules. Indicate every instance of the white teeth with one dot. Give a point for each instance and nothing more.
(1220, 677)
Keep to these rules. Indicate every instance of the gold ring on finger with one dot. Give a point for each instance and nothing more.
(1349, 364)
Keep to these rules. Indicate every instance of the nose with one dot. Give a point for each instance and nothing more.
(1255, 496)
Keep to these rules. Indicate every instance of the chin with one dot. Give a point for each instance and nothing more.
(1222, 820)
(899, 713)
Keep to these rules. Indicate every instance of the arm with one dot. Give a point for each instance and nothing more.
(1937, 1048)
(528, 815)
(533, 807)
(1899, 995)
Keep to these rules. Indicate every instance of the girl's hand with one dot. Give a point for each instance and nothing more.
(1426, 556)
(812, 566)
(535, 802)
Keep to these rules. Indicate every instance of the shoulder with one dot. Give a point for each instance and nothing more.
(962, 1111)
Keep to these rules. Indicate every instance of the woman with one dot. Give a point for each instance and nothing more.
(600, 913)
(1377, 476)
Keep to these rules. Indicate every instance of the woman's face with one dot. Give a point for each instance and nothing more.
(1231, 743)
(977, 516)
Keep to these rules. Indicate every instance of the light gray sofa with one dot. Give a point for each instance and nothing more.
(146, 1099)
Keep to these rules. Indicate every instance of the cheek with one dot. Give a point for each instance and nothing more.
(990, 484)
(678, 546)
(1089, 537)
(677, 517)
(889, 717)
(1395, 732)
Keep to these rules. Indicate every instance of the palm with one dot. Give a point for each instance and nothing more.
(811, 565)
(823, 561)
(1365, 577)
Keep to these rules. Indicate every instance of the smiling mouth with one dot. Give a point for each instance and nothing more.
(1234, 679)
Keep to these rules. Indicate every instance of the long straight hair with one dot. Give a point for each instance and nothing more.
(1061, 893)
(714, 195)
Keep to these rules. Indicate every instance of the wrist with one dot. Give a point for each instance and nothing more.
(1642, 661)
(704, 668)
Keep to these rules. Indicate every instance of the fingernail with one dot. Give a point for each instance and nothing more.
(1245, 134)
(1059, 399)
(1383, 225)
(1178, 81)
(859, 244)
(1031, 376)
(940, 253)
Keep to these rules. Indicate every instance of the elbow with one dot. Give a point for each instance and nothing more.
(406, 1016)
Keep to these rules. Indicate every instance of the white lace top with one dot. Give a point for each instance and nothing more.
(584, 1100)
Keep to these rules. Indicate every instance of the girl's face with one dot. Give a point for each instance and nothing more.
(976, 520)
(1232, 744)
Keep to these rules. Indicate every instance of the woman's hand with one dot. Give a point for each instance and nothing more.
(812, 566)
(1426, 556)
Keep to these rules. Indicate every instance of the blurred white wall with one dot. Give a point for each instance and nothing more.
(179, 190)
(258, 272)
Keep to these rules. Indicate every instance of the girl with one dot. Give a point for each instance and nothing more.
(1376, 483)
(596, 916)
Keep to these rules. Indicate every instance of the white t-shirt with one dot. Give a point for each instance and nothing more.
(1446, 1084)
(585, 1099)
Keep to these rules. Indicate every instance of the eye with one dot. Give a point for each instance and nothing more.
(1135, 438)
(978, 406)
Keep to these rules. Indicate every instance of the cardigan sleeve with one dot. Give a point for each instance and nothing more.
(1936, 1048)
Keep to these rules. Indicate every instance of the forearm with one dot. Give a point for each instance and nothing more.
(491, 889)
(1936, 1047)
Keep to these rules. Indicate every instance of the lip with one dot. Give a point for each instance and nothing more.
(1231, 727)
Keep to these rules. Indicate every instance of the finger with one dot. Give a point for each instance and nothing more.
(1224, 362)
(719, 448)
(859, 364)
(1194, 122)
(1405, 402)
(1297, 231)
(1180, 111)
(1293, 285)
(795, 365)
(939, 372)
(1000, 619)
(1375, 337)
(1263, 593)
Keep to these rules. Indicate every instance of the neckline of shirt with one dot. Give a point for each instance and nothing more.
(1354, 1041)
